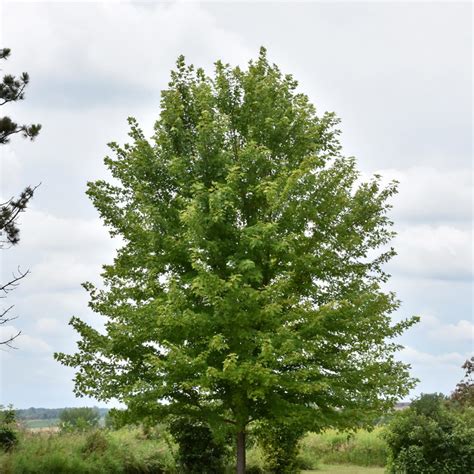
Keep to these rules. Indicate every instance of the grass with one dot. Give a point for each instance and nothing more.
(130, 451)
(124, 451)
(362, 448)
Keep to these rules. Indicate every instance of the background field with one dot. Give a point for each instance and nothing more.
(32, 424)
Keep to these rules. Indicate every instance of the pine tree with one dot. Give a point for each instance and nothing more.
(12, 89)
(248, 287)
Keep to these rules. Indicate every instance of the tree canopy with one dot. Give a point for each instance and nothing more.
(249, 283)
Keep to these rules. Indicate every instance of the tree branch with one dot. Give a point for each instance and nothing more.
(16, 97)
(8, 342)
(13, 283)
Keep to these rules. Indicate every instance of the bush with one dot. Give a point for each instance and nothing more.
(8, 434)
(255, 459)
(430, 438)
(280, 445)
(198, 451)
(8, 438)
(7, 415)
(96, 442)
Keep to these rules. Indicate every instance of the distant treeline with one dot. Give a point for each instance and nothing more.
(54, 413)
(47, 413)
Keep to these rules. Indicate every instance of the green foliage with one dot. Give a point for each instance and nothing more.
(12, 89)
(430, 438)
(199, 452)
(248, 287)
(280, 445)
(7, 415)
(256, 463)
(429, 405)
(8, 437)
(79, 419)
(8, 432)
(112, 421)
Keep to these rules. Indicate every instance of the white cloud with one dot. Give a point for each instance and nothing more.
(42, 232)
(442, 252)
(48, 326)
(24, 341)
(430, 194)
(61, 253)
(413, 356)
(436, 372)
(11, 166)
(460, 332)
(132, 44)
(61, 273)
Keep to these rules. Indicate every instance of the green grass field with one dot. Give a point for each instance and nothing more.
(40, 423)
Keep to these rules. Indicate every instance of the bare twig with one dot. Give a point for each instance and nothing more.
(8, 342)
(13, 283)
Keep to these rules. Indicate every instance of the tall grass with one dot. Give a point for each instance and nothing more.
(131, 451)
(96, 452)
(362, 448)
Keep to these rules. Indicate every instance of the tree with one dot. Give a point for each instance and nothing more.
(79, 419)
(247, 288)
(12, 89)
(463, 394)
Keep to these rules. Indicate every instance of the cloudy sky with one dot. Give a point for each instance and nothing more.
(397, 74)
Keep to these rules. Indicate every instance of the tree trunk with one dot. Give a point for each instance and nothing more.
(241, 452)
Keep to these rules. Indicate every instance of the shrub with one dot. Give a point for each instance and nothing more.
(8, 434)
(7, 415)
(306, 461)
(429, 438)
(8, 438)
(96, 442)
(255, 458)
(199, 452)
(280, 445)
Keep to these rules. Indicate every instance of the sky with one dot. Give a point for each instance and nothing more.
(397, 74)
